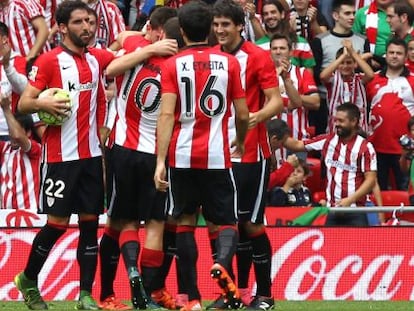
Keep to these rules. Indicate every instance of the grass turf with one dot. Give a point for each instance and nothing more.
(280, 305)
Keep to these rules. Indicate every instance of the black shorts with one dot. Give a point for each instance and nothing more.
(72, 187)
(133, 193)
(251, 184)
(213, 190)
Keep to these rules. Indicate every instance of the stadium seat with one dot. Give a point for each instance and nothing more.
(314, 182)
(396, 198)
(318, 196)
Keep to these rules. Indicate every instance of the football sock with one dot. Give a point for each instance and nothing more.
(87, 253)
(244, 259)
(109, 257)
(226, 245)
(169, 252)
(187, 253)
(151, 261)
(262, 252)
(129, 244)
(41, 246)
(213, 236)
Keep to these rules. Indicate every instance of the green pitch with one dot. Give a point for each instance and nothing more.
(280, 305)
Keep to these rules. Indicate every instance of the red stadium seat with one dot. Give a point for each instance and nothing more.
(314, 182)
(318, 196)
(396, 198)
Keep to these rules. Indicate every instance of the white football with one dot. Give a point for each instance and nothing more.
(58, 94)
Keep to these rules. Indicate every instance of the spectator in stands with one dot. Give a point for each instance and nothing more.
(400, 17)
(351, 164)
(325, 47)
(297, 88)
(12, 75)
(274, 19)
(306, 20)
(371, 21)
(28, 26)
(392, 104)
(345, 85)
(110, 21)
(19, 162)
(406, 159)
(410, 57)
(252, 28)
(280, 167)
(293, 192)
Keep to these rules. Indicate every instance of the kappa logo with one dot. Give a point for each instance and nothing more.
(50, 201)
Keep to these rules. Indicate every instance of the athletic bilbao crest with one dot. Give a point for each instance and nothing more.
(50, 201)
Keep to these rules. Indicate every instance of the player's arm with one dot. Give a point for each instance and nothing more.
(16, 132)
(242, 123)
(119, 42)
(273, 107)
(30, 103)
(42, 33)
(165, 126)
(128, 61)
(370, 179)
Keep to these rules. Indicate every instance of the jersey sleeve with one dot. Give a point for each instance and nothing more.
(267, 72)
(168, 81)
(369, 159)
(235, 82)
(32, 9)
(315, 143)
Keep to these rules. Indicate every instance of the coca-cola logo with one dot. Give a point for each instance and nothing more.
(319, 263)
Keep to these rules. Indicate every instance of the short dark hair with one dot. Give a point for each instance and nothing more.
(336, 4)
(160, 16)
(25, 121)
(278, 128)
(65, 9)
(397, 41)
(279, 36)
(195, 19)
(172, 31)
(403, 7)
(4, 30)
(305, 166)
(276, 3)
(229, 9)
(351, 110)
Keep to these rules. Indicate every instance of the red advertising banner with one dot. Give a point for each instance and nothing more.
(374, 263)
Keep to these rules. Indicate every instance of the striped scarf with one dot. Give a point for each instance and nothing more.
(342, 92)
(372, 25)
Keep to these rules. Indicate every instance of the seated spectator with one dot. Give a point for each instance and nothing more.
(293, 192)
(345, 85)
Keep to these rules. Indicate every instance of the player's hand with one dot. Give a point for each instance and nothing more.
(159, 178)
(237, 149)
(253, 119)
(55, 106)
(165, 47)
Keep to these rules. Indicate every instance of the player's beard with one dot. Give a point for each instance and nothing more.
(343, 132)
(77, 40)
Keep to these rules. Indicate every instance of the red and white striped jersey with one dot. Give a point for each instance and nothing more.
(110, 21)
(346, 163)
(257, 73)
(341, 91)
(138, 104)
(392, 105)
(17, 15)
(19, 176)
(49, 6)
(81, 75)
(297, 119)
(19, 63)
(206, 82)
(361, 3)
